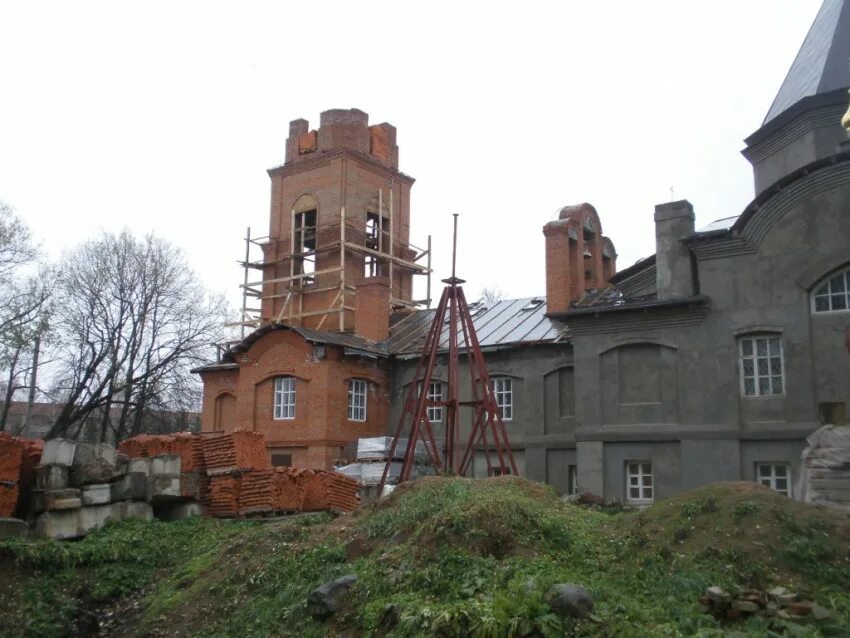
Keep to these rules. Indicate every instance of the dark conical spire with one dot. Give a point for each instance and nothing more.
(823, 62)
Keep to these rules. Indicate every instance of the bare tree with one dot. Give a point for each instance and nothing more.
(24, 308)
(135, 319)
(491, 295)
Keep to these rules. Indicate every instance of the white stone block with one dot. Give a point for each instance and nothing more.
(58, 452)
(59, 525)
(166, 465)
(96, 494)
(139, 465)
(96, 516)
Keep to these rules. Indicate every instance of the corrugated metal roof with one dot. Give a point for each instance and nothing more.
(505, 322)
(821, 64)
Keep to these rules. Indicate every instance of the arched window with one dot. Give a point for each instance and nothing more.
(284, 398)
(833, 293)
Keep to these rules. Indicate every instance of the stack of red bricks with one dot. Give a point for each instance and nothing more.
(314, 490)
(256, 493)
(223, 495)
(236, 451)
(18, 458)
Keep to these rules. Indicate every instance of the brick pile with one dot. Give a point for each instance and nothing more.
(15, 465)
(240, 450)
(256, 493)
(183, 444)
(224, 495)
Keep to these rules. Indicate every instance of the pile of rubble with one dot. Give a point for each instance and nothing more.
(777, 602)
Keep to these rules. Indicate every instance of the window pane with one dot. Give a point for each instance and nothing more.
(782, 485)
(836, 284)
(777, 385)
(762, 367)
(764, 385)
(647, 481)
(764, 470)
(761, 347)
(839, 302)
(779, 470)
(749, 387)
(821, 304)
(765, 482)
(633, 480)
(647, 468)
(634, 492)
(775, 365)
(633, 468)
(747, 347)
(775, 347)
(748, 367)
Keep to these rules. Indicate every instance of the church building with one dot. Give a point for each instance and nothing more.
(711, 360)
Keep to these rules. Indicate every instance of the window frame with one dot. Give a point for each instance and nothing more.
(826, 282)
(353, 393)
(773, 477)
(432, 410)
(284, 411)
(572, 479)
(641, 499)
(754, 357)
(506, 409)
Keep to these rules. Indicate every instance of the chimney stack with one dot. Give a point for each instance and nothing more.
(674, 270)
(558, 267)
(372, 308)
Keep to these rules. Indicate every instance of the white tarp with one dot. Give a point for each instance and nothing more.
(378, 447)
(826, 467)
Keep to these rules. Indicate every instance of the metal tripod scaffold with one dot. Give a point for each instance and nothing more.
(488, 432)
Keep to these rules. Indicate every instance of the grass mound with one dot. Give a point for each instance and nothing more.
(452, 557)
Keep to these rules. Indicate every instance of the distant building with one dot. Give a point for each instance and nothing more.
(711, 360)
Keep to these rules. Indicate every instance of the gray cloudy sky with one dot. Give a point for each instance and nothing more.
(164, 116)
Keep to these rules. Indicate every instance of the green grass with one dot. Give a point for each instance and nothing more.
(452, 557)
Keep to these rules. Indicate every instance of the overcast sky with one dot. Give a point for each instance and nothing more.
(164, 116)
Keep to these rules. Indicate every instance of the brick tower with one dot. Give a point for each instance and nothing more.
(338, 257)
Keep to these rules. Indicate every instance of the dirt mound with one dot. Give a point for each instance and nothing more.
(747, 524)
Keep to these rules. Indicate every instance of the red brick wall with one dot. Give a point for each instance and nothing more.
(321, 426)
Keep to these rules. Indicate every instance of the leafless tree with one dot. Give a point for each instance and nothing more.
(491, 295)
(135, 319)
(24, 308)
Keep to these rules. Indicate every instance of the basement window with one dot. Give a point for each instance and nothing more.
(572, 479)
(304, 245)
(639, 483)
(357, 393)
(776, 476)
(284, 398)
(281, 460)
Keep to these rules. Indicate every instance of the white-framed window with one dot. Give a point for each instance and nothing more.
(776, 476)
(358, 391)
(284, 398)
(639, 488)
(435, 393)
(572, 479)
(833, 294)
(761, 368)
(503, 390)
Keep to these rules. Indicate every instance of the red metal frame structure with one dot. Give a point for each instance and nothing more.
(487, 420)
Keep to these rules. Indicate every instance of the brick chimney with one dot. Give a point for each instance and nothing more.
(558, 269)
(372, 308)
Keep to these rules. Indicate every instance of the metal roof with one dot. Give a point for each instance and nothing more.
(505, 322)
(718, 224)
(821, 64)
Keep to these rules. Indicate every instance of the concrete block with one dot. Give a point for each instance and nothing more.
(177, 511)
(164, 488)
(67, 499)
(52, 477)
(139, 465)
(59, 525)
(96, 516)
(13, 528)
(166, 465)
(137, 510)
(130, 487)
(106, 452)
(58, 452)
(84, 453)
(100, 494)
(122, 462)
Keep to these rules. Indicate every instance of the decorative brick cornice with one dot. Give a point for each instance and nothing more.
(326, 157)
